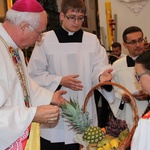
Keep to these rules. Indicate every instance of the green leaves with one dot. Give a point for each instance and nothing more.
(79, 120)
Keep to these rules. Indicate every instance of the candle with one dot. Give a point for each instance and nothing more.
(108, 21)
(9, 4)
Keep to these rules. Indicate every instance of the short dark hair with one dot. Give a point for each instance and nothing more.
(116, 44)
(128, 30)
(144, 59)
(74, 5)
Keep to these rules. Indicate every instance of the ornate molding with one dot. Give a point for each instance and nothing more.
(135, 5)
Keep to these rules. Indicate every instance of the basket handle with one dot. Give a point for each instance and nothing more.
(133, 103)
(126, 142)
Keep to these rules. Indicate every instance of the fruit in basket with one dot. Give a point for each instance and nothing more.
(93, 134)
(103, 129)
(114, 143)
(123, 134)
(78, 119)
(105, 140)
(107, 147)
(115, 127)
(100, 148)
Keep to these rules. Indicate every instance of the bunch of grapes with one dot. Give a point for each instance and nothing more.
(115, 126)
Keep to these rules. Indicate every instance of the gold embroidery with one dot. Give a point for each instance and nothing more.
(14, 54)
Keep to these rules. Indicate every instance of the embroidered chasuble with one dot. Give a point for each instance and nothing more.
(25, 142)
(16, 117)
(14, 54)
(20, 72)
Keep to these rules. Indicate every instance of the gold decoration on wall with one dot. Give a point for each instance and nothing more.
(3, 9)
(9, 4)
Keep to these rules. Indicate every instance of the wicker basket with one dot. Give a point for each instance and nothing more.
(125, 143)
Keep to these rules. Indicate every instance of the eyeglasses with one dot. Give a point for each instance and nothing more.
(74, 18)
(138, 76)
(133, 42)
(40, 34)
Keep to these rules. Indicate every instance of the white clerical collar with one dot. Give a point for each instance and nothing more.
(134, 58)
(69, 33)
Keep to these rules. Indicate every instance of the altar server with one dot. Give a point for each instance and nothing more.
(71, 59)
(124, 74)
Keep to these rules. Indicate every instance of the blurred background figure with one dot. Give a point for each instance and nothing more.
(146, 44)
(116, 52)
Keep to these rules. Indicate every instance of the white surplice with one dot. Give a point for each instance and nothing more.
(14, 116)
(125, 76)
(141, 137)
(51, 60)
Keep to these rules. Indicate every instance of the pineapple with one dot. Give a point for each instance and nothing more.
(93, 135)
(81, 123)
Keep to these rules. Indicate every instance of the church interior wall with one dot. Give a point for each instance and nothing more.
(126, 18)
